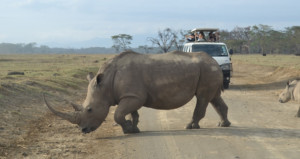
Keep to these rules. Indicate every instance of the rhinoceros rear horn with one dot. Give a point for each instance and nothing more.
(76, 106)
(71, 117)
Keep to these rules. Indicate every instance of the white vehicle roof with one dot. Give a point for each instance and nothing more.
(204, 43)
(204, 30)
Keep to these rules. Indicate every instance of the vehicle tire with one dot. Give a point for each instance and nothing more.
(226, 85)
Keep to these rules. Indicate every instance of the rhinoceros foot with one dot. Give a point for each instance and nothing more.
(128, 128)
(224, 124)
(135, 130)
(192, 126)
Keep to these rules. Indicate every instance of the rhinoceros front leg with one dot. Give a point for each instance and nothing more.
(126, 106)
(298, 114)
(199, 113)
(222, 109)
(135, 121)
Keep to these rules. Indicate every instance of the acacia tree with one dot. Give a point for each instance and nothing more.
(165, 39)
(121, 41)
(179, 39)
(293, 38)
(260, 36)
(238, 39)
(145, 48)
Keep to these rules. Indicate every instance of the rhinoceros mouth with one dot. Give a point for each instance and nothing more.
(282, 101)
(88, 130)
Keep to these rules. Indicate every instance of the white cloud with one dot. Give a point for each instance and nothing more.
(21, 3)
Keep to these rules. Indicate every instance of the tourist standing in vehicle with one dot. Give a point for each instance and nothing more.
(201, 37)
(190, 38)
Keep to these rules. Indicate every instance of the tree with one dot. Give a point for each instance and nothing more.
(276, 43)
(121, 41)
(165, 39)
(116, 47)
(260, 37)
(145, 48)
(29, 48)
(180, 39)
(238, 39)
(44, 49)
(293, 38)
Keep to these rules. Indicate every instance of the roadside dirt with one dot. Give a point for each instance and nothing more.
(261, 126)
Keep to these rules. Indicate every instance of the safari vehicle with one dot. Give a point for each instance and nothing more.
(207, 40)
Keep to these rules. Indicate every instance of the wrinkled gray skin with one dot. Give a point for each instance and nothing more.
(291, 92)
(159, 81)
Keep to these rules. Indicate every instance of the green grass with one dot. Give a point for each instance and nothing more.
(54, 72)
(276, 60)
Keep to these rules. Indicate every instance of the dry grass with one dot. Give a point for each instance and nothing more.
(60, 76)
(275, 60)
(56, 72)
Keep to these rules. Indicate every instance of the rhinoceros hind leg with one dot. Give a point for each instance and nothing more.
(199, 113)
(298, 114)
(222, 109)
(224, 124)
(192, 126)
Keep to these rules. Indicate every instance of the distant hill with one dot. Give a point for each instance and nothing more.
(32, 48)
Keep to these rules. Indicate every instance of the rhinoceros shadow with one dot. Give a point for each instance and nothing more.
(218, 132)
(258, 87)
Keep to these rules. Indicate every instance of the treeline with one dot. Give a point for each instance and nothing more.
(253, 39)
(262, 39)
(32, 48)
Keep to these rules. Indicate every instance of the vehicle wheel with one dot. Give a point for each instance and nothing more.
(226, 85)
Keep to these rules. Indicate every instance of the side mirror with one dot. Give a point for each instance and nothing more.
(230, 51)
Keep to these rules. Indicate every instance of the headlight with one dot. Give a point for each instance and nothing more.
(226, 66)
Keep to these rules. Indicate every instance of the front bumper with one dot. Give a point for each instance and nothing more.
(226, 76)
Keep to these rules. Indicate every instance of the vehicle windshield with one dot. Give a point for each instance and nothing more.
(213, 50)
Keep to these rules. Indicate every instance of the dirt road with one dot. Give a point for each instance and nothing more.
(261, 128)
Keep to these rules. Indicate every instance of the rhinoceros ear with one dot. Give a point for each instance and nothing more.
(99, 78)
(288, 84)
(90, 76)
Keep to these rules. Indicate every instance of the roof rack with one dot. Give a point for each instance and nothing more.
(204, 30)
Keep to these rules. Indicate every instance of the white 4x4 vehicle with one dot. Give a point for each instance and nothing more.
(214, 48)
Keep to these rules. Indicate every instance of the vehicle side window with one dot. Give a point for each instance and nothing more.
(189, 49)
(185, 49)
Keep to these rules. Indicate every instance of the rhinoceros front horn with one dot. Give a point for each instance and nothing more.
(71, 117)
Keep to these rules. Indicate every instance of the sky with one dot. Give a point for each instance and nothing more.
(91, 23)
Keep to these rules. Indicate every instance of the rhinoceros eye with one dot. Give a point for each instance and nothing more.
(89, 109)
